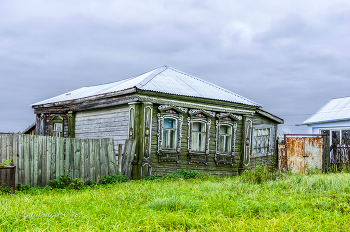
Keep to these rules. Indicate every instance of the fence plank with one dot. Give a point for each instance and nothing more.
(19, 167)
(31, 159)
(97, 160)
(53, 159)
(129, 151)
(40, 156)
(1, 153)
(26, 159)
(111, 157)
(86, 160)
(44, 161)
(36, 160)
(48, 154)
(102, 158)
(71, 159)
(67, 155)
(15, 157)
(92, 160)
(61, 156)
(77, 151)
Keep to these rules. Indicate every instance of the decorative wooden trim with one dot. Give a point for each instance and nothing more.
(227, 116)
(194, 105)
(225, 158)
(248, 138)
(167, 111)
(203, 116)
(148, 112)
(131, 128)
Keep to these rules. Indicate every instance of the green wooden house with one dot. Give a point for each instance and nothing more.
(179, 122)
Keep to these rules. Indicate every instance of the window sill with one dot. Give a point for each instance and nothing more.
(197, 153)
(169, 151)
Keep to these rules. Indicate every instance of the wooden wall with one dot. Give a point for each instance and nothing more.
(111, 122)
(211, 167)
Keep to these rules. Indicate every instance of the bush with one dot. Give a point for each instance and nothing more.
(5, 189)
(63, 182)
(77, 184)
(90, 183)
(110, 179)
(23, 187)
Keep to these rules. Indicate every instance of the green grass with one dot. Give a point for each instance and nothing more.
(296, 203)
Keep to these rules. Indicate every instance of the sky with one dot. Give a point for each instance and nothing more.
(290, 56)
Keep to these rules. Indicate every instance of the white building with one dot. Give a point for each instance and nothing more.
(332, 119)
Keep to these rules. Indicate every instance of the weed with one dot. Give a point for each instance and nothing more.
(77, 184)
(109, 179)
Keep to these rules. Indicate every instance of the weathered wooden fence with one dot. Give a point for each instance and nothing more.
(39, 159)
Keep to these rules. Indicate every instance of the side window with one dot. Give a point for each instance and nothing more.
(225, 137)
(226, 126)
(198, 137)
(57, 130)
(261, 141)
(170, 120)
(57, 126)
(169, 133)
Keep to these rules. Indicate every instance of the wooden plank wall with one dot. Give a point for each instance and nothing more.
(39, 159)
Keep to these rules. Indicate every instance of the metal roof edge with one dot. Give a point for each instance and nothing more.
(94, 97)
(271, 116)
(320, 122)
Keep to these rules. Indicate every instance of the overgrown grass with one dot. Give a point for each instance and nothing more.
(318, 202)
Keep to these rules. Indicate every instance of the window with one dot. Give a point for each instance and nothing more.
(198, 137)
(57, 130)
(339, 137)
(170, 120)
(226, 126)
(261, 137)
(225, 137)
(169, 133)
(57, 126)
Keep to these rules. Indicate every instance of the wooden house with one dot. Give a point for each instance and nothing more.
(179, 122)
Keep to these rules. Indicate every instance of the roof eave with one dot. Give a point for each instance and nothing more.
(327, 121)
(270, 116)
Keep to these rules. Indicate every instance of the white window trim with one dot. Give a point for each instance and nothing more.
(270, 152)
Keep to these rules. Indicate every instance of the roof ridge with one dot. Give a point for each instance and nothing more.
(151, 76)
(216, 86)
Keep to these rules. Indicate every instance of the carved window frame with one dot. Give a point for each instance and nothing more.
(173, 112)
(57, 119)
(226, 119)
(201, 116)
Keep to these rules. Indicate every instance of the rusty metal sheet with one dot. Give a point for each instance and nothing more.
(304, 152)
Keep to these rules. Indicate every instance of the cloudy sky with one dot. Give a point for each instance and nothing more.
(291, 56)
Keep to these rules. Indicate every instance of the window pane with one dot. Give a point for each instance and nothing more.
(165, 138)
(335, 137)
(345, 140)
(172, 139)
(261, 140)
(169, 123)
(194, 141)
(201, 144)
(228, 143)
(222, 144)
(225, 130)
(198, 126)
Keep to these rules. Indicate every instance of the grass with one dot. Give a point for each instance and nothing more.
(316, 202)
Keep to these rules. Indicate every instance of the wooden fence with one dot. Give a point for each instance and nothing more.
(39, 159)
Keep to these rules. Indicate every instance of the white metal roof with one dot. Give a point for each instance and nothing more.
(336, 110)
(165, 80)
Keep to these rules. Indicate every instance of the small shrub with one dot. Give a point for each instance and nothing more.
(23, 187)
(55, 183)
(152, 177)
(110, 179)
(90, 183)
(65, 180)
(77, 184)
(5, 189)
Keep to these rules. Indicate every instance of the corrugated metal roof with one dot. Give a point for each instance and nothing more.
(336, 110)
(165, 80)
